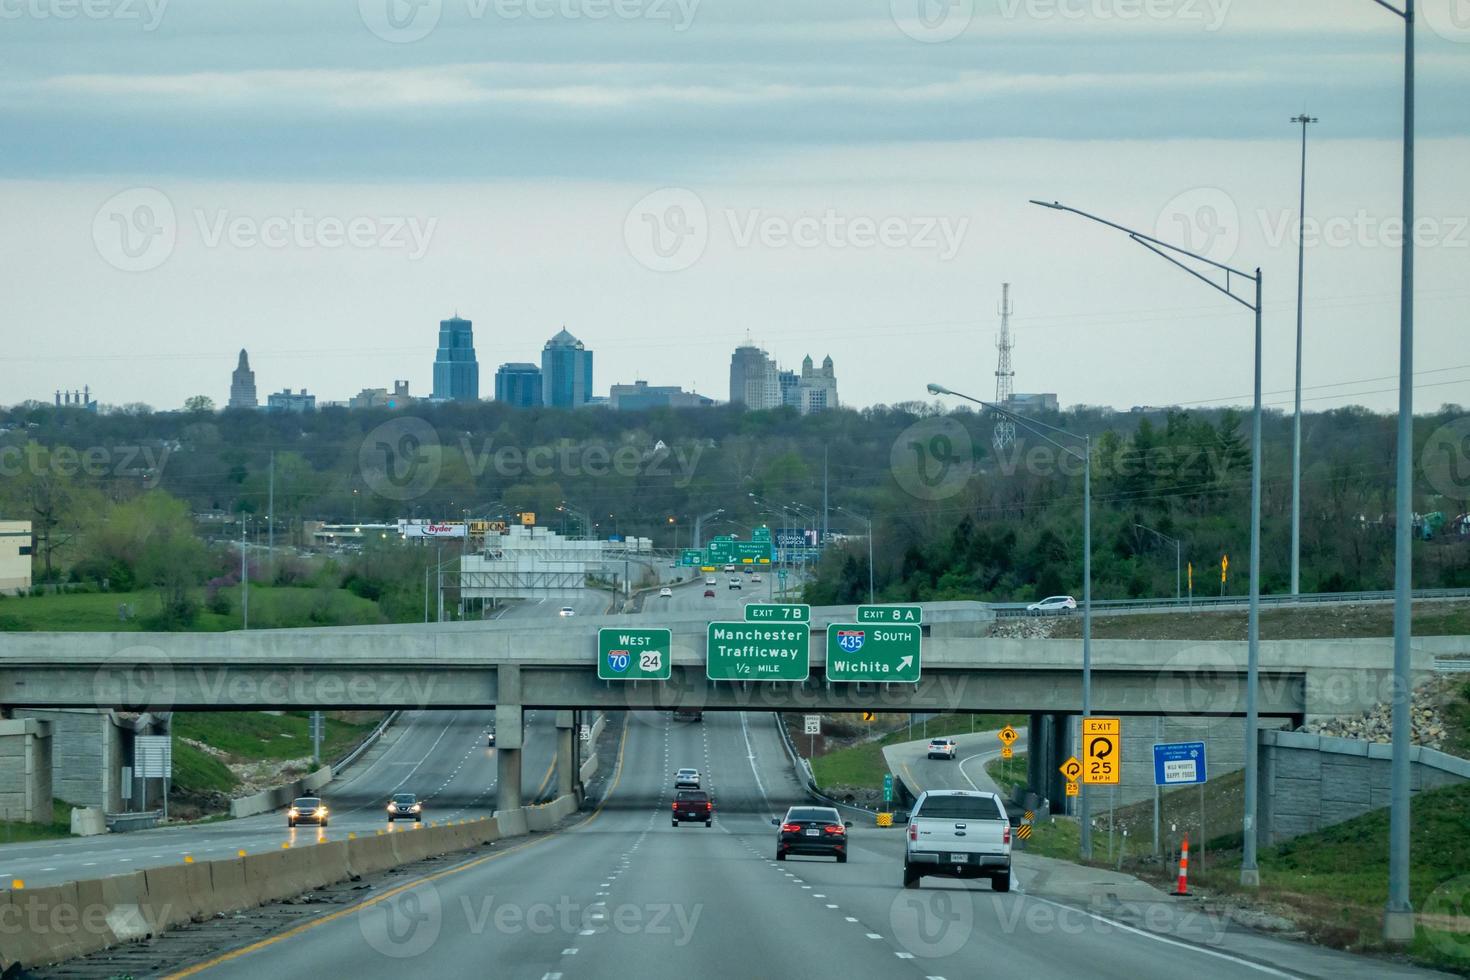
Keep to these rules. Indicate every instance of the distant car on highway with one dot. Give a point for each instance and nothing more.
(490, 739)
(812, 830)
(1053, 604)
(958, 834)
(566, 611)
(693, 805)
(942, 748)
(756, 578)
(709, 580)
(734, 583)
(686, 779)
(405, 806)
(730, 568)
(666, 593)
(307, 809)
(709, 593)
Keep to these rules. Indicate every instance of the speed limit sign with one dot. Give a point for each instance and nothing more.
(813, 725)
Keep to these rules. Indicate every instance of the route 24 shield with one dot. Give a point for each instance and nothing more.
(617, 660)
(851, 641)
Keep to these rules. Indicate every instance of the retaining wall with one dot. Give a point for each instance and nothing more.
(1307, 782)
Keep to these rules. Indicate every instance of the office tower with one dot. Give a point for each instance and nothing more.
(566, 372)
(456, 372)
(518, 383)
(242, 385)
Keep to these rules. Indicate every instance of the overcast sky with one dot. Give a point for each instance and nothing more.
(322, 183)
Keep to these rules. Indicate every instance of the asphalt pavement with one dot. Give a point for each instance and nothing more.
(621, 892)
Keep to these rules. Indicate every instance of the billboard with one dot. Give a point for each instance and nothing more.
(429, 530)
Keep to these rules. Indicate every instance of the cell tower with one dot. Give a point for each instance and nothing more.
(1005, 429)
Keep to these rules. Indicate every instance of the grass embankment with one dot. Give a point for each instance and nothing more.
(271, 607)
(15, 832)
(245, 737)
(862, 765)
(1332, 884)
(1439, 618)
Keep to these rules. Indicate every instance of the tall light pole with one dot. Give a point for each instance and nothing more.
(699, 526)
(1250, 874)
(1296, 418)
(1084, 802)
(869, 522)
(1178, 556)
(1398, 915)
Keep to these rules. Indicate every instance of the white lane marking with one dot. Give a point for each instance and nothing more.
(904, 956)
(874, 935)
(849, 918)
(1259, 967)
(831, 906)
(570, 951)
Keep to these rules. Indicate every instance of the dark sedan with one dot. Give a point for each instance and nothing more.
(812, 830)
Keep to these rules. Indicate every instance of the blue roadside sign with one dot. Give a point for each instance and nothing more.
(1179, 763)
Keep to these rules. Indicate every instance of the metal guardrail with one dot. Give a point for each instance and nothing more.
(1451, 665)
(365, 744)
(1018, 609)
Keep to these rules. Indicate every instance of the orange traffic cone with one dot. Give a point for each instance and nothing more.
(1182, 887)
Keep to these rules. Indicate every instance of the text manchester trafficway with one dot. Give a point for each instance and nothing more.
(758, 652)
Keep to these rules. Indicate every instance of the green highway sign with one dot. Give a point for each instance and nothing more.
(888, 787)
(761, 534)
(634, 654)
(865, 652)
(690, 556)
(890, 614)
(758, 652)
(752, 552)
(720, 550)
(778, 612)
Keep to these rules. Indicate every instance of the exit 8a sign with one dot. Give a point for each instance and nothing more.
(633, 654)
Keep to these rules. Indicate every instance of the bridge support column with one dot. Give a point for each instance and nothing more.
(1038, 732)
(1059, 746)
(566, 758)
(509, 737)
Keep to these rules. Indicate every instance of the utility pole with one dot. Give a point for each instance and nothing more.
(244, 578)
(1296, 420)
(823, 543)
(270, 540)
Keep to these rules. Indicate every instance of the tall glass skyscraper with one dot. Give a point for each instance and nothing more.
(456, 372)
(566, 372)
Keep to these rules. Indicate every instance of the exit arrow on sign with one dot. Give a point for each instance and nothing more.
(905, 662)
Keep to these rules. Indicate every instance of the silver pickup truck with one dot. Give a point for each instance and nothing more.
(958, 834)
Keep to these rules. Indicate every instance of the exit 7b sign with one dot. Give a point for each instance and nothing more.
(634, 654)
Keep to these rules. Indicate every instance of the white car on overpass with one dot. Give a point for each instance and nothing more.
(1053, 604)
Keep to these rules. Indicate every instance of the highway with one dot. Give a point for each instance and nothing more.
(622, 893)
(440, 755)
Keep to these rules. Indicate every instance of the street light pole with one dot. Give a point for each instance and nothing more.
(1398, 915)
(869, 522)
(1250, 874)
(1178, 556)
(1084, 802)
(1296, 419)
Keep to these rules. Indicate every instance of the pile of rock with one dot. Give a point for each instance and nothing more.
(1427, 723)
(1025, 627)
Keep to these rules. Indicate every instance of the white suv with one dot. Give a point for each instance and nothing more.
(942, 748)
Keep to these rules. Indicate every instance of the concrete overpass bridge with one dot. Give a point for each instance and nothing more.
(552, 664)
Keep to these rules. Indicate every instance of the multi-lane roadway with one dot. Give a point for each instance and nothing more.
(621, 892)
